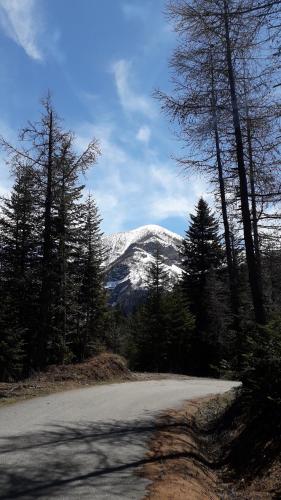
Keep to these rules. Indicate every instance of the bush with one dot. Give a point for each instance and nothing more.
(261, 374)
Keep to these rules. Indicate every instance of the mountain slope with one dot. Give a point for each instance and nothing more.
(129, 255)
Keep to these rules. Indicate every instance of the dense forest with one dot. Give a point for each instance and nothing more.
(223, 317)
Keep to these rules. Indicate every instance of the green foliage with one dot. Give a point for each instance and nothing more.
(90, 311)
(11, 353)
(204, 289)
(261, 375)
(11, 342)
(53, 298)
(161, 329)
(202, 249)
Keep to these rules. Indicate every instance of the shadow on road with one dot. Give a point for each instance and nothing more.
(77, 458)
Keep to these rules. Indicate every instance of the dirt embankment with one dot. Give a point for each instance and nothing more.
(214, 448)
(105, 367)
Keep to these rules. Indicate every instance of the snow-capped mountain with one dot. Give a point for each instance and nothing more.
(129, 255)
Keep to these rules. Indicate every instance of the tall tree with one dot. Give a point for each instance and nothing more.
(88, 275)
(233, 30)
(19, 272)
(161, 329)
(56, 166)
(202, 255)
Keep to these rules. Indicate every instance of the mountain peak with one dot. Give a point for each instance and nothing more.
(130, 254)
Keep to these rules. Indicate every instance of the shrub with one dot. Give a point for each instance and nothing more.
(261, 374)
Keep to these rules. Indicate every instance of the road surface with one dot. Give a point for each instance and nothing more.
(87, 443)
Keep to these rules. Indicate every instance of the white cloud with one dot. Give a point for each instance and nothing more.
(178, 197)
(130, 100)
(139, 193)
(169, 206)
(111, 152)
(21, 22)
(132, 191)
(144, 134)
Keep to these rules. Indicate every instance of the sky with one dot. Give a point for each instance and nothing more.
(101, 60)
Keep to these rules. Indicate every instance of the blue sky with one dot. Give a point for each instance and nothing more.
(101, 59)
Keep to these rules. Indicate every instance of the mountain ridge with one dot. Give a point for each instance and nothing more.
(129, 255)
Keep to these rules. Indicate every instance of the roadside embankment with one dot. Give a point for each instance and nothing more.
(215, 448)
(105, 367)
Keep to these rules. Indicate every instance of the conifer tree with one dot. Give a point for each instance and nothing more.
(163, 326)
(89, 335)
(178, 332)
(39, 234)
(202, 255)
(67, 195)
(202, 250)
(19, 267)
(11, 342)
(149, 325)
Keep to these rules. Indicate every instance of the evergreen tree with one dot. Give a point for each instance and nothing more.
(219, 339)
(89, 335)
(67, 195)
(179, 327)
(19, 268)
(162, 327)
(39, 232)
(11, 342)
(157, 281)
(202, 255)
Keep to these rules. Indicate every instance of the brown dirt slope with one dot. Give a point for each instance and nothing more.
(105, 367)
(215, 448)
(179, 468)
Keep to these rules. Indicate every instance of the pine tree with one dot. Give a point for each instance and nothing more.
(148, 323)
(163, 326)
(179, 327)
(231, 105)
(202, 250)
(202, 255)
(11, 342)
(67, 195)
(39, 235)
(19, 268)
(89, 335)
(219, 338)
(158, 282)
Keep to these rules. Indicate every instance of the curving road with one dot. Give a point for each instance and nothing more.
(87, 443)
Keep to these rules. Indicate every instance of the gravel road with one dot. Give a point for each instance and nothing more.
(87, 443)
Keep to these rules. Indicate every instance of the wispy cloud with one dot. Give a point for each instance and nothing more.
(111, 152)
(143, 134)
(21, 21)
(132, 191)
(131, 101)
(174, 197)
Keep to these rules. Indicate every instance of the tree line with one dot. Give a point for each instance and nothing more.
(51, 280)
(224, 316)
(225, 72)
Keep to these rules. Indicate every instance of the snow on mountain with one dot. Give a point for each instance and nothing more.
(129, 255)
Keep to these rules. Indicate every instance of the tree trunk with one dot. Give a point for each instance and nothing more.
(253, 193)
(227, 236)
(47, 249)
(253, 270)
